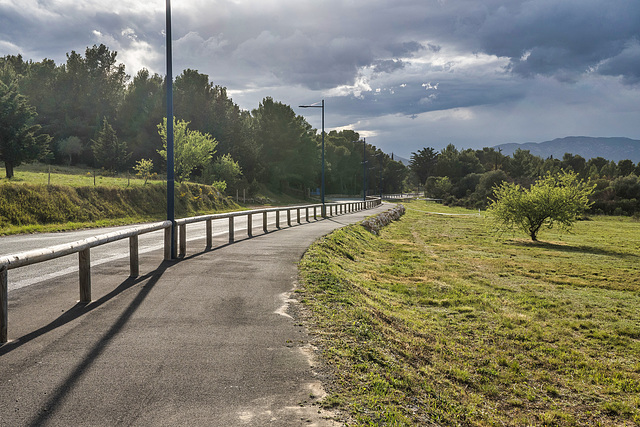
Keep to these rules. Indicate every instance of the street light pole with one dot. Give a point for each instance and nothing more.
(324, 211)
(170, 155)
(364, 169)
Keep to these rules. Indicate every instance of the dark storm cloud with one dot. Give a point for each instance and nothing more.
(377, 60)
(388, 66)
(564, 39)
(626, 64)
(405, 49)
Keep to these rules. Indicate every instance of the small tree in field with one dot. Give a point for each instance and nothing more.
(554, 199)
(144, 169)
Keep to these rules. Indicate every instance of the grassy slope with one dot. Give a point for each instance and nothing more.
(28, 204)
(442, 322)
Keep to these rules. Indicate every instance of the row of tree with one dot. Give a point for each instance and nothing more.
(469, 177)
(90, 112)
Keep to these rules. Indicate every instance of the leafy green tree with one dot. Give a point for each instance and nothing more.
(575, 163)
(193, 99)
(423, 162)
(192, 149)
(596, 164)
(625, 167)
(289, 146)
(492, 159)
(110, 153)
(438, 187)
(20, 140)
(144, 169)
(70, 147)
(393, 176)
(553, 199)
(525, 165)
(139, 114)
(88, 88)
(224, 168)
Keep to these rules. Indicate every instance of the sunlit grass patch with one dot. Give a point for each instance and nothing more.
(441, 321)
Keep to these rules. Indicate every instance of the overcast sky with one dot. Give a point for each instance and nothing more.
(406, 74)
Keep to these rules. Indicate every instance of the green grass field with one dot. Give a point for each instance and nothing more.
(442, 321)
(70, 176)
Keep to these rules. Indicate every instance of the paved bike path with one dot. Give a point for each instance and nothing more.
(205, 341)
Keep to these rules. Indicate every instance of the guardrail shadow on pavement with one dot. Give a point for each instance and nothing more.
(171, 242)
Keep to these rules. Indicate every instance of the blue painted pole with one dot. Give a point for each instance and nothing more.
(322, 182)
(170, 151)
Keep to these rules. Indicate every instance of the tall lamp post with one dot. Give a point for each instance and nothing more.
(324, 211)
(170, 161)
(364, 169)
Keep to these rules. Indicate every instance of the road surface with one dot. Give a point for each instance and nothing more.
(149, 242)
(209, 340)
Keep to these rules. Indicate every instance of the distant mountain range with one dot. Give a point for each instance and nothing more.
(615, 149)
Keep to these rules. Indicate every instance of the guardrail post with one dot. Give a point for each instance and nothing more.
(231, 237)
(289, 217)
(183, 240)
(134, 265)
(249, 225)
(167, 244)
(209, 233)
(175, 241)
(306, 211)
(298, 215)
(84, 261)
(264, 221)
(315, 216)
(4, 303)
(277, 219)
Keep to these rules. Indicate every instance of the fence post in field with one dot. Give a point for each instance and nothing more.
(249, 225)
(4, 304)
(134, 265)
(231, 237)
(209, 233)
(167, 244)
(264, 221)
(84, 262)
(183, 240)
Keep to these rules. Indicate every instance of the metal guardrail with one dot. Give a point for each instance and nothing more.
(400, 196)
(83, 247)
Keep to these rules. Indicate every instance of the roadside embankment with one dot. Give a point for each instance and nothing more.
(29, 204)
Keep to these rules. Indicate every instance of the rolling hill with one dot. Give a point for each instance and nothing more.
(615, 149)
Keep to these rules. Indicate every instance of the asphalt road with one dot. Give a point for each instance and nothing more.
(205, 341)
(149, 242)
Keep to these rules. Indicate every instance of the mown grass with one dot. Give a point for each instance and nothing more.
(440, 321)
(74, 176)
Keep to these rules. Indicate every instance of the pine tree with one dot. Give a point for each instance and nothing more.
(110, 153)
(19, 138)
